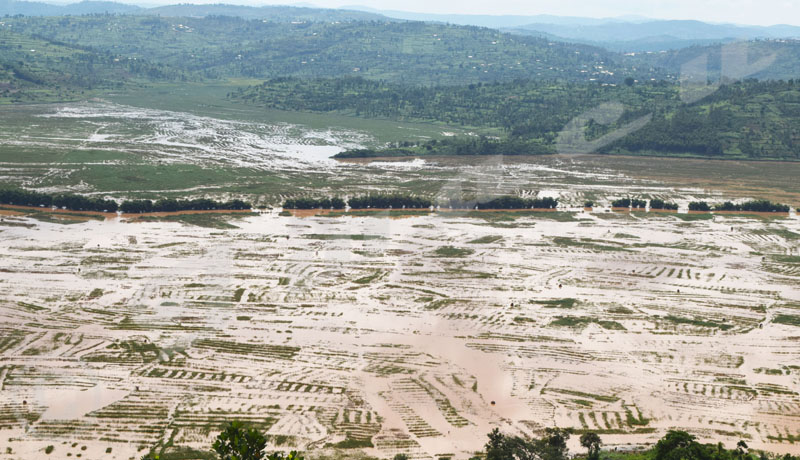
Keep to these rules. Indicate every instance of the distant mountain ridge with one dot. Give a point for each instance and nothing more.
(621, 34)
(656, 35)
(274, 13)
(27, 8)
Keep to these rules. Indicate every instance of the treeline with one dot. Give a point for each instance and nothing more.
(400, 201)
(380, 201)
(312, 203)
(748, 206)
(82, 203)
(393, 201)
(661, 204)
(752, 206)
(462, 146)
(45, 200)
(170, 205)
(505, 202)
(637, 203)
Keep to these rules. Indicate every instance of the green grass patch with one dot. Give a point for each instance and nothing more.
(698, 322)
(587, 243)
(790, 320)
(582, 321)
(368, 279)
(450, 251)
(556, 303)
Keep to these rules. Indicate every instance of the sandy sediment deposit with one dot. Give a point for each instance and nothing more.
(120, 335)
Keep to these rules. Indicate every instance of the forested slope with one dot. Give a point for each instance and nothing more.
(749, 119)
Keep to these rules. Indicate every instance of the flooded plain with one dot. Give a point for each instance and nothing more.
(413, 335)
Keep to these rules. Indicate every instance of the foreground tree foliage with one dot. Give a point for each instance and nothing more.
(553, 446)
(591, 441)
(239, 442)
(675, 445)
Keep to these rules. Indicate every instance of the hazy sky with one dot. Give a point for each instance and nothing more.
(763, 12)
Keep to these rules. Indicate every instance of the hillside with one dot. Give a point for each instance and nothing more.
(514, 107)
(781, 59)
(411, 52)
(749, 120)
(36, 69)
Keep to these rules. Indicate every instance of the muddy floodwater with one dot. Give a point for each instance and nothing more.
(419, 334)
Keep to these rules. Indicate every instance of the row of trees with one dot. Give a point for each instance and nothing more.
(634, 203)
(661, 204)
(389, 201)
(399, 201)
(72, 202)
(315, 203)
(752, 206)
(749, 206)
(170, 205)
(82, 203)
(699, 206)
(505, 202)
